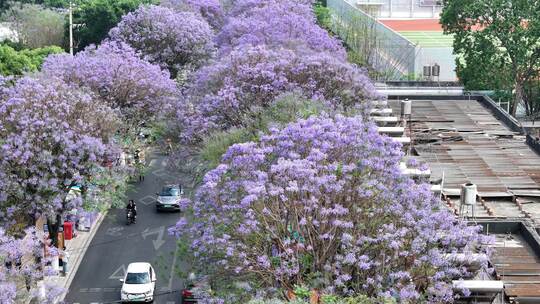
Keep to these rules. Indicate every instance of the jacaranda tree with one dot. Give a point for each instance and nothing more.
(52, 136)
(115, 73)
(278, 23)
(231, 91)
(23, 262)
(173, 40)
(211, 10)
(322, 203)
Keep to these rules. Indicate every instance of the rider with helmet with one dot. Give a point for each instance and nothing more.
(131, 206)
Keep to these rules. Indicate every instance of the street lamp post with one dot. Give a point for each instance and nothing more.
(71, 28)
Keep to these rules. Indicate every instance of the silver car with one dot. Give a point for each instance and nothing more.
(169, 198)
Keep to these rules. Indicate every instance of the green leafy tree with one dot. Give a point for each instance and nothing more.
(4, 4)
(35, 25)
(497, 43)
(13, 62)
(94, 19)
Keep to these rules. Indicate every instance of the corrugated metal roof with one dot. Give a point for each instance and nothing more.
(465, 141)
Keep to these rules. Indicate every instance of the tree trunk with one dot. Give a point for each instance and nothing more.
(518, 96)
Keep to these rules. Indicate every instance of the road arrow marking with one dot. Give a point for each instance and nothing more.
(119, 273)
(160, 231)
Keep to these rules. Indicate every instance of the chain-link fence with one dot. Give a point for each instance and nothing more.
(374, 44)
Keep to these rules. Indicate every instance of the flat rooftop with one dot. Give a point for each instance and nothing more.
(462, 142)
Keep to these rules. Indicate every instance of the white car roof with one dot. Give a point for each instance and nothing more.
(138, 267)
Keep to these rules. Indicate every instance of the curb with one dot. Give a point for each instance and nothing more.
(80, 257)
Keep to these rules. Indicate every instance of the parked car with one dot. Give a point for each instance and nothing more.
(194, 288)
(139, 283)
(169, 198)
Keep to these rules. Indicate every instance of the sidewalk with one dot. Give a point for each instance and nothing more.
(75, 248)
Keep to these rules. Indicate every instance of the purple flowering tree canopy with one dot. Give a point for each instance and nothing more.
(210, 10)
(322, 203)
(230, 91)
(23, 262)
(51, 136)
(173, 40)
(115, 73)
(277, 23)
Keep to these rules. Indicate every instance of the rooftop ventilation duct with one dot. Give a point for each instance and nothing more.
(406, 107)
(468, 194)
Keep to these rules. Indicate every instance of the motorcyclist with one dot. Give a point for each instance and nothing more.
(131, 206)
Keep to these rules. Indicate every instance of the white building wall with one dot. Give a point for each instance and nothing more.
(444, 57)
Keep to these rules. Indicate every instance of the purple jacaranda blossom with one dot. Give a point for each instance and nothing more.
(389, 241)
(211, 10)
(24, 262)
(276, 23)
(53, 135)
(115, 73)
(229, 92)
(174, 40)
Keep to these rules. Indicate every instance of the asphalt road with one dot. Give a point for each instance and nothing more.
(116, 244)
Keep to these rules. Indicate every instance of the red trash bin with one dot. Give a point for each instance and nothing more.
(68, 230)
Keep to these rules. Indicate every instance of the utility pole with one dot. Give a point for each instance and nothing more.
(71, 27)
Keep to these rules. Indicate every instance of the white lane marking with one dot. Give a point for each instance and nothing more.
(160, 231)
(170, 302)
(147, 200)
(83, 290)
(95, 289)
(119, 273)
(172, 267)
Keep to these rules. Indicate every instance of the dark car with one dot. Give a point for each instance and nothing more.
(169, 198)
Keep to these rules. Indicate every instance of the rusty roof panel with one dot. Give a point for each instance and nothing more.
(465, 141)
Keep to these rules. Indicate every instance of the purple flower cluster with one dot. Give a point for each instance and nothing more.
(52, 134)
(253, 77)
(268, 49)
(173, 40)
(115, 72)
(276, 22)
(325, 196)
(17, 256)
(210, 10)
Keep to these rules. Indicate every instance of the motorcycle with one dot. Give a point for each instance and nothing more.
(130, 217)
